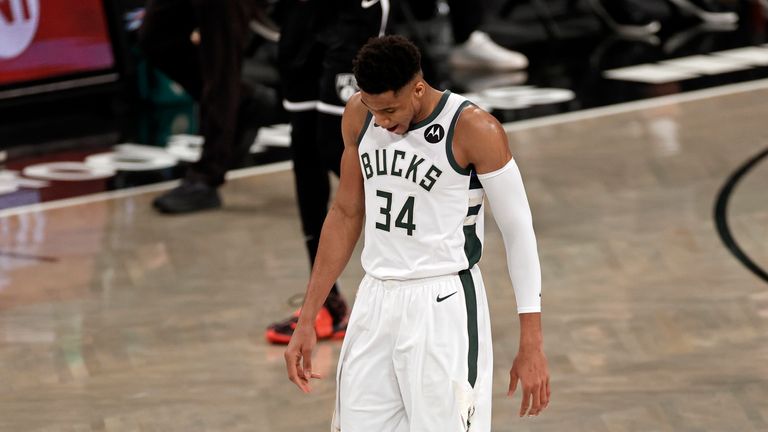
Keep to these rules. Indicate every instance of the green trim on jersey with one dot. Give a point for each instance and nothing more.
(433, 115)
(366, 123)
(474, 181)
(473, 248)
(449, 141)
(471, 300)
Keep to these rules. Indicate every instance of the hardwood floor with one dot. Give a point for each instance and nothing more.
(113, 318)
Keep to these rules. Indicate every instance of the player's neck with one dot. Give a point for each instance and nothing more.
(430, 101)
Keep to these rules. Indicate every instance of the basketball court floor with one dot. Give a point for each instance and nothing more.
(114, 318)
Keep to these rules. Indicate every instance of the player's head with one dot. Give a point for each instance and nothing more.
(388, 73)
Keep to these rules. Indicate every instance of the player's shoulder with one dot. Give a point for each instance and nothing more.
(355, 113)
(475, 123)
(355, 110)
(480, 140)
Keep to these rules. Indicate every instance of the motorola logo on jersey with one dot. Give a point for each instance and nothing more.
(18, 25)
(434, 133)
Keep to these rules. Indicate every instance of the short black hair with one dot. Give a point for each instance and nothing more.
(386, 63)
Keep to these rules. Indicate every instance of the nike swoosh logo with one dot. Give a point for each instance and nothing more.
(368, 3)
(439, 299)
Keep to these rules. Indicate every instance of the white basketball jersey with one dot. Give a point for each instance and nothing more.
(424, 213)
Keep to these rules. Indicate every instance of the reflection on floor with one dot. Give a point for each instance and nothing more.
(113, 318)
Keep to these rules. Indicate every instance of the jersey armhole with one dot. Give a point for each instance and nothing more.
(449, 141)
(368, 117)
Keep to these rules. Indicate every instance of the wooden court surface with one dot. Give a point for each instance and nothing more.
(113, 318)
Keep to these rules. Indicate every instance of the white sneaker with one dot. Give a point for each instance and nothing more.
(712, 17)
(481, 52)
(634, 30)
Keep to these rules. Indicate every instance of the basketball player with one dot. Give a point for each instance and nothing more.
(416, 166)
(318, 41)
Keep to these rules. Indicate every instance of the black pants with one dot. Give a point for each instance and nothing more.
(466, 15)
(210, 72)
(319, 39)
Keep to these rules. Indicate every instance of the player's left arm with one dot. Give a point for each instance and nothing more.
(480, 141)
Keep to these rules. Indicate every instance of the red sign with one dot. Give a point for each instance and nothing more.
(50, 38)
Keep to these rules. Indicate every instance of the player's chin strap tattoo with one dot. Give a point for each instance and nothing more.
(506, 194)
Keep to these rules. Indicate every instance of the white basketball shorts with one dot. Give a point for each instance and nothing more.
(417, 357)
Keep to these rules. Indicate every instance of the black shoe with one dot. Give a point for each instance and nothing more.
(188, 197)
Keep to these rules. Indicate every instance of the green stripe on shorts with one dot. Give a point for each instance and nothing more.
(471, 299)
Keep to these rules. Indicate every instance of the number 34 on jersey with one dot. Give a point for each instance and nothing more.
(399, 164)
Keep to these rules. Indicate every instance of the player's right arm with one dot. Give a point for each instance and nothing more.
(481, 141)
(340, 233)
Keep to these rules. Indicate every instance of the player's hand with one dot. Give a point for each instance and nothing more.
(298, 357)
(530, 368)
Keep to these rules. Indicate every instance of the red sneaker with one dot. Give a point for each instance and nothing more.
(281, 332)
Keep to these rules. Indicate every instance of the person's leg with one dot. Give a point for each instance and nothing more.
(300, 59)
(164, 38)
(313, 188)
(443, 355)
(483, 388)
(330, 146)
(368, 396)
(473, 48)
(312, 195)
(466, 17)
(212, 73)
(223, 35)
(165, 41)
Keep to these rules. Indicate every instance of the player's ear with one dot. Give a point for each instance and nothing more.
(419, 89)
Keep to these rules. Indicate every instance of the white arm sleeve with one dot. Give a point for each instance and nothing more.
(506, 195)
